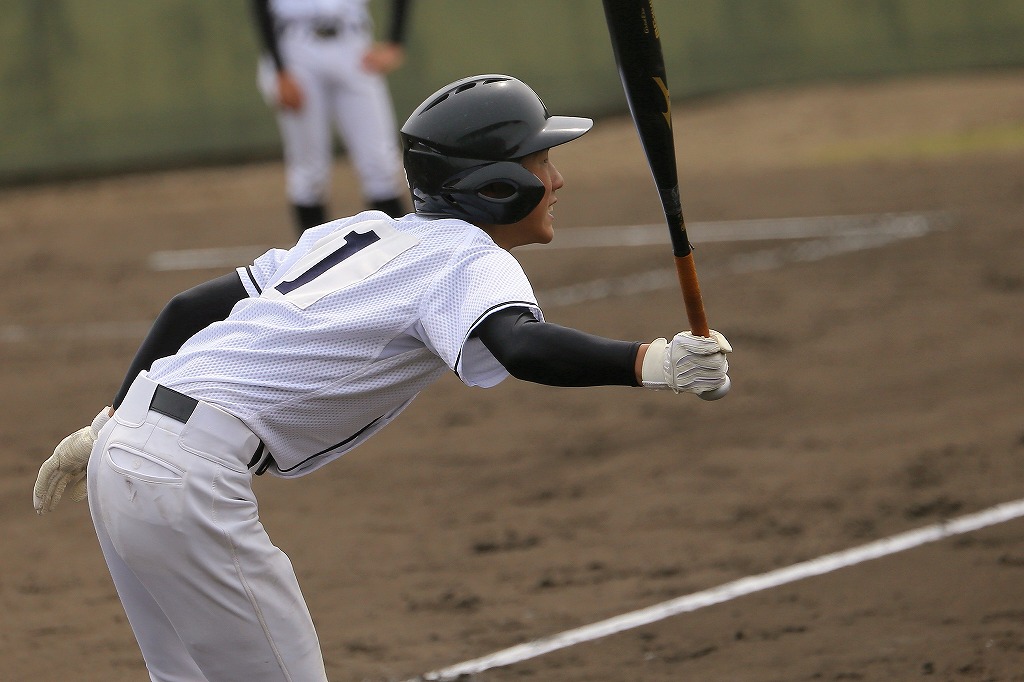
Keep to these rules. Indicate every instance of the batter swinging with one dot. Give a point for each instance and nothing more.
(294, 360)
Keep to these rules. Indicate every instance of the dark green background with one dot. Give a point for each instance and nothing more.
(97, 86)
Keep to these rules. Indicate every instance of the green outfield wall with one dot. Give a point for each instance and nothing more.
(101, 86)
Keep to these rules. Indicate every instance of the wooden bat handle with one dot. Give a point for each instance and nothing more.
(690, 287)
(637, 46)
(685, 267)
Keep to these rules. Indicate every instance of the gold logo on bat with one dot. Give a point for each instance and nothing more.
(660, 82)
(650, 9)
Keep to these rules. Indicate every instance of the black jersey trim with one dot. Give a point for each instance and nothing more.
(333, 447)
(483, 315)
(255, 284)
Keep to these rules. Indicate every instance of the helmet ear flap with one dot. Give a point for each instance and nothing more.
(498, 193)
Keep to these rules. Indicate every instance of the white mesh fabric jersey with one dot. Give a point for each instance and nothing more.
(292, 10)
(342, 331)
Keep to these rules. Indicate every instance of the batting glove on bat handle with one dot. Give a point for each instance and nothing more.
(717, 393)
(689, 364)
(66, 467)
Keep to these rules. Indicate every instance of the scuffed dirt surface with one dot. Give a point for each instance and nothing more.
(876, 390)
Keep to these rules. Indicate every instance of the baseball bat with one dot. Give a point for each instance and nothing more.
(636, 44)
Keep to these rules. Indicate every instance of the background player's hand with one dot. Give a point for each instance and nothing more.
(688, 364)
(66, 466)
(289, 94)
(383, 58)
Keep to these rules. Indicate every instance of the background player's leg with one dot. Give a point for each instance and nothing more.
(307, 216)
(305, 135)
(308, 153)
(365, 119)
(395, 207)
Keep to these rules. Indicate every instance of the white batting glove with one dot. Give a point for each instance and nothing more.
(689, 364)
(66, 467)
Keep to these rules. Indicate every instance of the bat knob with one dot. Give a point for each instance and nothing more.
(718, 392)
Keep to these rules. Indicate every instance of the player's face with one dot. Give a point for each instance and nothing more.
(538, 226)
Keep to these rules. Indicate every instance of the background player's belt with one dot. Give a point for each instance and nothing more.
(325, 28)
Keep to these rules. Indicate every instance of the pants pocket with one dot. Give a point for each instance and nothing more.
(143, 466)
(141, 499)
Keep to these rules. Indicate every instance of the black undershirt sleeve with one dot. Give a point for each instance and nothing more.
(184, 315)
(265, 27)
(399, 20)
(546, 353)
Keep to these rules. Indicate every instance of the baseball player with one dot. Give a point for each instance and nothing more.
(292, 361)
(321, 70)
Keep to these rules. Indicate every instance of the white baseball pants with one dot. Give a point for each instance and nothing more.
(339, 95)
(207, 594)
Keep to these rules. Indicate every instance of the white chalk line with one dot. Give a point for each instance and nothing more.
(814, 238)
(835, 235)
(767, 229)
(97, 331)
(733, 590)
(762, 229)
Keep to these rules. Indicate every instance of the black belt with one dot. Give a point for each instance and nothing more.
(324, 28)
(327, 30)
(180, 407)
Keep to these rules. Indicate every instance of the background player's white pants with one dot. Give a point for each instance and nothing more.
(339, 95)
(207, 594)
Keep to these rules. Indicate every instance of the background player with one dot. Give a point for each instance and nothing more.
(322, 71)
(286, 364)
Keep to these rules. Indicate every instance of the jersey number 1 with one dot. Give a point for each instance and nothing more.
(339, 260)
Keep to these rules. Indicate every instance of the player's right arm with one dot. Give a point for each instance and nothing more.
(289, 94)
(265, 29)
(183, 316)
(187, 313)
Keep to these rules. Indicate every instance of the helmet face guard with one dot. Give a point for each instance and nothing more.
(463, 144)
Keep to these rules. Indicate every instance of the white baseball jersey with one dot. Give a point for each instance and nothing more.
(342, 331)
(292, 10)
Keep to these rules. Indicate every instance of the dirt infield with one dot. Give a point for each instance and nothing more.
(877, 389)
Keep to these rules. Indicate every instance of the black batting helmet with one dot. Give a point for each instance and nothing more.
(467, 136)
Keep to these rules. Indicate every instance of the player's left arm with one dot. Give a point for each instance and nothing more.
(399, 21)
(388, 55)
(550, 354)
